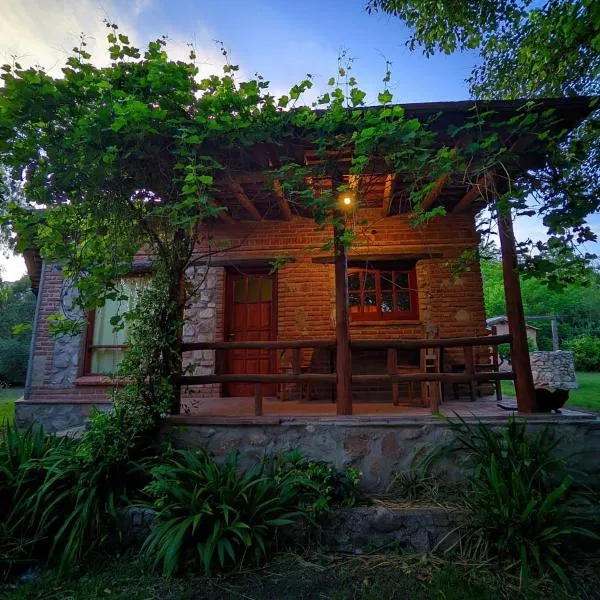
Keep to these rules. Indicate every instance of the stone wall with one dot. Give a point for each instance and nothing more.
(553, 370)
(204, 323)
(378, 448)
(55, 417)
(365, 528)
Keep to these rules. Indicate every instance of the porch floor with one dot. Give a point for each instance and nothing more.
(484, 407)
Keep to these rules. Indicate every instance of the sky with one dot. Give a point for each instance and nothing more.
(283, 40)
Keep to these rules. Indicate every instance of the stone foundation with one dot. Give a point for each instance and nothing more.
(366, 528)
(55, 417)
(379, 448)
(553, 370)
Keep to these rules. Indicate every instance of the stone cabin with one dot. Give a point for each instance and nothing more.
(403, 283)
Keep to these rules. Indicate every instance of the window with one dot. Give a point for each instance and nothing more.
(105, 346)
(382, 294)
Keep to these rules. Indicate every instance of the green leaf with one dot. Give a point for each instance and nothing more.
(384, 97)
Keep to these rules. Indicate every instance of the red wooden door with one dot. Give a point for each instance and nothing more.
(250, 316)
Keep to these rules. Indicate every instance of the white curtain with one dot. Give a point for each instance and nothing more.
(106, 360)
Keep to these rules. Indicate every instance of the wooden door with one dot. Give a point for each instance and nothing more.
(250, 316)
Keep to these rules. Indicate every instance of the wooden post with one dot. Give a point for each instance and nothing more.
(342, 327)
(392, 368)
(258, 400)
(526, 401)
(470, 369)
(554, 325)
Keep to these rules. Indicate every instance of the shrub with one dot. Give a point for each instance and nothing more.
(518, 497)
(14, 353)
(84, 484)
(586, 352)
(215, 515)
(210, 513)
(20, 478)
(321, 486)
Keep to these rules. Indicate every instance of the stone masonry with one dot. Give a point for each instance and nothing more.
(553, 370)
(380, 447)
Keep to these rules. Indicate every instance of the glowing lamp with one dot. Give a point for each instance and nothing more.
(347, 200)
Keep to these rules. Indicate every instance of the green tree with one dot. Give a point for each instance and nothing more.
(17, 309)
(533, 50)
(577, 304)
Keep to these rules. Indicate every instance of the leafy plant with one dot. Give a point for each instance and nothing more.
(517, 497)
(586, 352)
(20, 478)
(212, 514)
(323, 487)
(84, 483)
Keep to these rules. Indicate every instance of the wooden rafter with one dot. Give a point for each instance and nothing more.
(240, 194)
(388, 193)
(222, 214)
(481, 187)
(435, 191)
(284, 205)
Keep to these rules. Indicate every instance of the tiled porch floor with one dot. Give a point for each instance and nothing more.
(485, 407)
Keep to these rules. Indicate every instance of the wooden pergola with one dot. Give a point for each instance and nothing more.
(249, 192)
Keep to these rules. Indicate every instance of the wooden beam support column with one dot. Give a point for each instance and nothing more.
(240, 194)
(526, 401)
(342, 327)
(284, 205)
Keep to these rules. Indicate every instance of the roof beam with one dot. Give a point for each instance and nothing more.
(222, 214)
(435, 191)
(388, 193)
(483, 184)
(284, 205)
(240, 194)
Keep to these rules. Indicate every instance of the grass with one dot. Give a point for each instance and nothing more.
(7, 402)
(586, 396)
(293, 577)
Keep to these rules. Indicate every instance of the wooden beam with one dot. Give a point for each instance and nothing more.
(388, 193)
(483, 184)
(434, 192)
(526, 400)
(284, 205)
(222, 214)
(240, 194)
(342, 327)
(400, 257)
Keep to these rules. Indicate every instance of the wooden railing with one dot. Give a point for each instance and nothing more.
(392, 377)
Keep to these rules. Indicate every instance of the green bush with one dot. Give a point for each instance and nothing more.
(517, 498)
(20, 478)
(323, 486)
(84, 486)
(215, 515)
(211, 513)
(14, 354)
(586, 352)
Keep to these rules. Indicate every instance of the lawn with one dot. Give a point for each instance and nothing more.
(586, 396)
(7, 402)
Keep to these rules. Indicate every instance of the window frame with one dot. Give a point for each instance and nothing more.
(89, 334)
(90, 347)
(378, 315)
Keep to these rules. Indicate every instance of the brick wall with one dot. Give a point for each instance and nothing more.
(451, 302)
